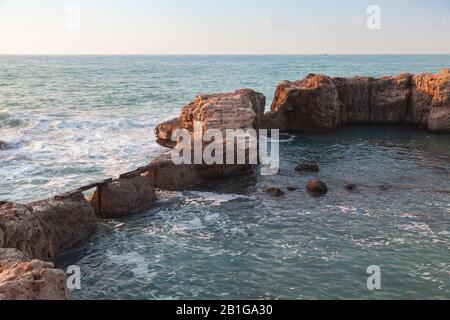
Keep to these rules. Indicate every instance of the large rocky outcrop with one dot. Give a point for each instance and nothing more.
(307, 105)
(41, 229)
(321, 104)
(164, 174)
(124, 196)
(24, 279)
(430, 101)
(241, 109)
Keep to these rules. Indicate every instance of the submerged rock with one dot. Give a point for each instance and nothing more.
(322, 104)
(276, 192)
(23, 279)
(317, 187)
(42, 229)
(350, 186)
(308, 167)
(385, 187)
(3, 145)
(292, 189)
(122, 197)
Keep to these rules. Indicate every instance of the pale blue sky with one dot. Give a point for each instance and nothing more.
(223, 27)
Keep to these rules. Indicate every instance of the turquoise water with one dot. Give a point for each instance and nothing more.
(73, 120)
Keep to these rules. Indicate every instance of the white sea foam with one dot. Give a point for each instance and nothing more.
(135, 262)
(343, 209)
(212, 199)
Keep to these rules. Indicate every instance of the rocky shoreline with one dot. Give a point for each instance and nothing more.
(33, 235)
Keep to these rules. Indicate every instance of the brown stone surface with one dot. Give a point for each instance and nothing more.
(275, 192)
(41, 229)
(164, 132)
(309, 105)
(321, 104)
(431, 101)
(12, 256)
(22, 279)
(308, 167)
(123, 197)
(317, 187)
(164, 174)
(354, 99)
(242, 109)
(390, 99)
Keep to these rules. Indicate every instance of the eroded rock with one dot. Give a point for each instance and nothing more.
(122, 197)
(164, 174)
(309, 105)
(390, 99)
(41, 229)
(11, 256)
(308, 167)
(350, 186)
(317, 187)
(431, 101)
(321, 104)
(164, 132)
(275, 192)
(354, 99)
(30, 280)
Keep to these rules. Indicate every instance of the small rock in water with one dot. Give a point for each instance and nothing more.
(276, 192)
(385, 187)
(317, 187)
(308, 167)
(292, 189)
(3, 145)
(350, 186)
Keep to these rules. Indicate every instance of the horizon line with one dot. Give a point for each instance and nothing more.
(218, 54)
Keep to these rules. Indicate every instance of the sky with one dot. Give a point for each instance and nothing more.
(223, 27)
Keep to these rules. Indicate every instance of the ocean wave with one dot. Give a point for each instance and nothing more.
(213, 199)
(6, 120)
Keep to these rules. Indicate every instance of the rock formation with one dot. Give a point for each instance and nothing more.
(307, 105)
(322, 104)
(275, 192)
(164, 174)
(308, 167)
(317, 187)
(41, 229)
(124, 196)
(431, 101)
(241, 109)
(25, 279)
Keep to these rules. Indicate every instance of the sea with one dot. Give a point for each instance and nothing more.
(73, 120)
